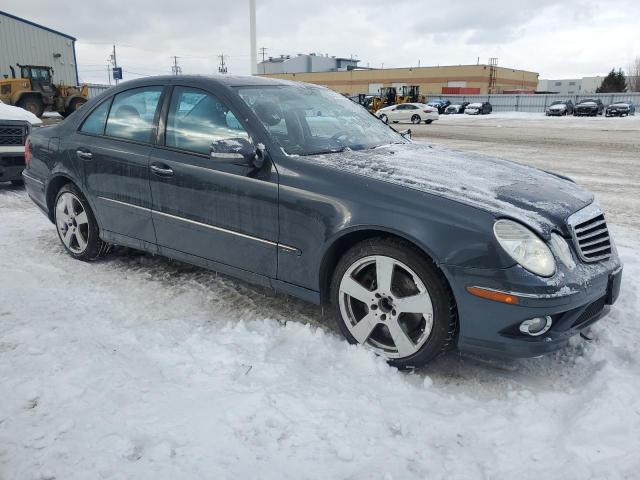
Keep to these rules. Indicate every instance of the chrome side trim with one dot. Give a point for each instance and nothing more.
(33, 179)
(212, 227)
(206, 225)
(125, 204)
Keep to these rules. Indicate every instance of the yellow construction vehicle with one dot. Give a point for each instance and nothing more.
(409, 94)
(387, 97)
(34, 91)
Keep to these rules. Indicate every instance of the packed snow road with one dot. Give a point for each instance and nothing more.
(140, 367)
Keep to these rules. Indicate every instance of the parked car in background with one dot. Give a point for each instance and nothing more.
(408, 112)
(483, 108)
(620, 109)
(15, 125)
(440, 104)
(559, 108)
(589, 107)
(456, 108)
(411, 248)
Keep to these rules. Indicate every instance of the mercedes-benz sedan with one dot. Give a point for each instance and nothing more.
(412, 249)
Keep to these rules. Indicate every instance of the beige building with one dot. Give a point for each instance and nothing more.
(430, 79)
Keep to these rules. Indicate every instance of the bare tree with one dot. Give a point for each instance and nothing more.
(633, 79)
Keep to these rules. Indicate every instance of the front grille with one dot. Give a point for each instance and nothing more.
(590, 234)
(590, 312)
(12, 136)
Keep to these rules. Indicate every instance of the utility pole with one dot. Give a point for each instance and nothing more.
(263, 52)
(223, 67)
(114, 61)
(109, 72)
(175, 68)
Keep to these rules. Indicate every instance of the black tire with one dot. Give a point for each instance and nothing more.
(32, 104)
(415, 119)
(17, 183)
(74, 105)
(443, 333)
(95, 246)
(428, 122)
(384, 118)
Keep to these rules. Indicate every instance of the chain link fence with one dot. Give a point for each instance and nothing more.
(534, 103)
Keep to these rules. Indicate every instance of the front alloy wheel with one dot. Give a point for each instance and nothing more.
(391, 299)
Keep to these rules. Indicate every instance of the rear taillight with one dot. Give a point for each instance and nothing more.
(27, 153)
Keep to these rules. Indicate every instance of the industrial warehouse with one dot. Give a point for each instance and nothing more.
(343, 75)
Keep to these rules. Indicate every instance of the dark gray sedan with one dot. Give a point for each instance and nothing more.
(412, 249)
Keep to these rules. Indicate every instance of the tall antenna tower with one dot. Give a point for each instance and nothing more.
(252, 37)
(223, 66)
(175, 68)
(493, 74)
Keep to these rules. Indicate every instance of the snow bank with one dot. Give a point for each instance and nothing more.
(138, 367)
(9, 112)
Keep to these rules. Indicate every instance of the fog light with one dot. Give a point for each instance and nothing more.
(536, 326)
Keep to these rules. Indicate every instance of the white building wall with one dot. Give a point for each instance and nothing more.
(21, 42)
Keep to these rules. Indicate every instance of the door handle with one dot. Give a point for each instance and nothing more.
(162, 171)
(84, 155)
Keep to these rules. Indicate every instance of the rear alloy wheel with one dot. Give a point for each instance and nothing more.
(77, 226)
(384, 118)
(416, 119)
(391, 299)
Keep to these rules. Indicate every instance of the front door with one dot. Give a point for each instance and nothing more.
(203, 204)
(114, 152)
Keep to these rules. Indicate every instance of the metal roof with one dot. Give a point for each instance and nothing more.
(29, 22)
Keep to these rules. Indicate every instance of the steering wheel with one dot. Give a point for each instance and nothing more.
(338, 135)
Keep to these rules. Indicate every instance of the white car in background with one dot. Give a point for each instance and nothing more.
(408, 112)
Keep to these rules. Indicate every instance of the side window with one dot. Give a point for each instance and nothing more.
(94, 123)
(197, 119)
(132, 114)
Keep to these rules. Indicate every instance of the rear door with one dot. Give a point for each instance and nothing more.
(113, 145)
(203, 204)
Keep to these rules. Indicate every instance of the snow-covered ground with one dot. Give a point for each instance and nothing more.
(140, 367)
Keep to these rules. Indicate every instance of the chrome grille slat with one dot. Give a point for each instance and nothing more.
(585, 236)
(590, 226)
(12, 135)
(590, 234)
(595, 242)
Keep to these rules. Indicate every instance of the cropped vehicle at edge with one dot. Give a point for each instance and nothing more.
(620, 109)
(408, 112)
(590, 107)
(456, 108)
(479, 108)
(413, 249)
(15, 125)
(559, 108)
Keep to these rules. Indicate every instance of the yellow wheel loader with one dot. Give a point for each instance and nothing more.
(34, 91)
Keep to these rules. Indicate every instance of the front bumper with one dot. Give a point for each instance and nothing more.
(556, 113)
(586, 113)
(11, 163)
(617, 113)
(574, 300)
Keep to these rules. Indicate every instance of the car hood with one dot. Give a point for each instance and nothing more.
(9, 112)
(560, 106)
(587, 105)
(622, 106)
(539, 199)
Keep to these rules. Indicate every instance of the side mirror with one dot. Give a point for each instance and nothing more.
(406, 133)
(239, 151)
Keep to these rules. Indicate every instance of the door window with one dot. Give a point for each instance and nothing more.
(94, 123)
(197, 119)
(132, 114)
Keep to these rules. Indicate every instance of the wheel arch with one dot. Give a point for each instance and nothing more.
(27, 93)
(54, 185)
(339, 245)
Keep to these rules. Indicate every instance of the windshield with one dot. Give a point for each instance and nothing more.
(558, 102)
(309, 120)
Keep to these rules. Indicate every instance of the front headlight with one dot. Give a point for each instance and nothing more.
(525, 247)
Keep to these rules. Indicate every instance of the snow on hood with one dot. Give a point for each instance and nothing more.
(9, 112)
(537, 198)
(474, 105)
(620, 105)
(558, 106)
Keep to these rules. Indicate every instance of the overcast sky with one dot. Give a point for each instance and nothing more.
(558, 39)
